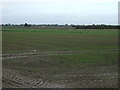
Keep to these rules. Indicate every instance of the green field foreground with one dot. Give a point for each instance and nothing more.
(67, 57)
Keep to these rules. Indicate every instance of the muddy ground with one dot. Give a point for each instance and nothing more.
(93, 76)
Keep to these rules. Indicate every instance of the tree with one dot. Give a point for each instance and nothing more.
(25, 24)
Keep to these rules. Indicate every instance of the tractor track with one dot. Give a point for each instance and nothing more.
(15, 80)
(53, 53)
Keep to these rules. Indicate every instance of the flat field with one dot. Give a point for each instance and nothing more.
(59, 57)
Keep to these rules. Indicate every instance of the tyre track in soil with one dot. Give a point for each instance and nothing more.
(37, 53)
(14, 80)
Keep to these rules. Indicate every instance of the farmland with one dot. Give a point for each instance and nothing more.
(59, 57)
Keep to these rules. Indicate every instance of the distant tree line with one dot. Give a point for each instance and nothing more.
(96, 26)
(102, 26)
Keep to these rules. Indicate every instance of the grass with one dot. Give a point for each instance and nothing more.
(18, 40)
(54, 68)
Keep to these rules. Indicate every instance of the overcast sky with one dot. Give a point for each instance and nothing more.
(60, 11)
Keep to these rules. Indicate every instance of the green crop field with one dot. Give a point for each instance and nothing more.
(59, 57)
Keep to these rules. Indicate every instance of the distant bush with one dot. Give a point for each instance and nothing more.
(27, 25)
